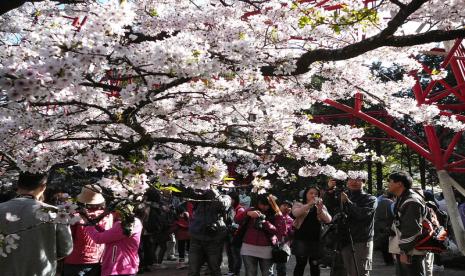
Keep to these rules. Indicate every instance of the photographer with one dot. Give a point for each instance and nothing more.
(310, 214)
(207, 230)
(122, 241)
(86, 255)
(357, 229)
(262, 227)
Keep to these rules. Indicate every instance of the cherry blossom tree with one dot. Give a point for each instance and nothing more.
(136, 86)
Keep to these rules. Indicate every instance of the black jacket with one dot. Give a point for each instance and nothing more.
(360, 212)
(208, 222)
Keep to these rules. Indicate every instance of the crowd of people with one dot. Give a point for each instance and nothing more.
(337, 225)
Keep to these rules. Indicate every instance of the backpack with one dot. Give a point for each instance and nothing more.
(433, 236)
(441, 216)
(158, 221)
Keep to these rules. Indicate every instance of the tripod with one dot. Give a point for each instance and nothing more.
(342, 219)
(352, 248)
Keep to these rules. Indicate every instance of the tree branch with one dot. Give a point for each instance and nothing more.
(8, 158)
(150, 141)
(384, 38)
(77, 103)
(77, 139)
(423, 38)
(9, 5)
(398, 3)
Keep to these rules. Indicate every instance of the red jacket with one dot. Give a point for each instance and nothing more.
(238, 210)
(85, 250)
(180, 228)
(266, 236)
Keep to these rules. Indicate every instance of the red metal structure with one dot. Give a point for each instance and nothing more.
(439, 153)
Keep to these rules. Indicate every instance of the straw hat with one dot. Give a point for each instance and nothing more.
(91, 194)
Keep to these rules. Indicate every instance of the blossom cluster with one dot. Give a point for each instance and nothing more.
(100, 83)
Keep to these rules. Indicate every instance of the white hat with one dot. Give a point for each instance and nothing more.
(91, 194)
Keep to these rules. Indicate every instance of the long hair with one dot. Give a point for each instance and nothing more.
(263, 199)
(304, 196)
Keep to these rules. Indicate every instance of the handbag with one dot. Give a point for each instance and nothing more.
(280, 252)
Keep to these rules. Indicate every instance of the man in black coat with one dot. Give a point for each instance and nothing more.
(360, 210)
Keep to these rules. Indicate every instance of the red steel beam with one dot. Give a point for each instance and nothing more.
(358, 102)
(455, 164)
(445, 84)
(459, 70)
(452, 51)
(446, 92)
(434, 146)
(456, 107)
(428, 89)
(451, 146)
(389, 130)
(417, 90)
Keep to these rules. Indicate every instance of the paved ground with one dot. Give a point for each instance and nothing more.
(379, 269)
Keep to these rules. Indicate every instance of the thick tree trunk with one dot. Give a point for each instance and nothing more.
(446, 182)
(422, 168)
(9, 5)
(370, 175)
(409, 160)
(379, 168)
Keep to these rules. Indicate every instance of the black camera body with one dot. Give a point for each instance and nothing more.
(212, 228)
(339, 188)
(259, 221)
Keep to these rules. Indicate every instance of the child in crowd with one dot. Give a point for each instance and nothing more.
(180, 228)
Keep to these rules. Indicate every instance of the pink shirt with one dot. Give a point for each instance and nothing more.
(121, 252)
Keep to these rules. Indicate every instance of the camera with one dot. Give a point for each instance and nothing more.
(259, 221)
(339, 188)
(212, 228)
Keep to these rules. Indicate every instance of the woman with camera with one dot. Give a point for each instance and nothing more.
(120, 256)
(262, 225)
(86, 255)
(309, 216)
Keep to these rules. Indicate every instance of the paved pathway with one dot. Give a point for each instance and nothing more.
(379, 269)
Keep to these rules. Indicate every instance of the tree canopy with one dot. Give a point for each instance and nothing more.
(177, 88)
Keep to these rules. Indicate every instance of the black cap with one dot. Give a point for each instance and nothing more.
(288, 202)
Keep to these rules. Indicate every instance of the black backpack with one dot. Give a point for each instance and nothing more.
(434, 235)
(158, 221)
